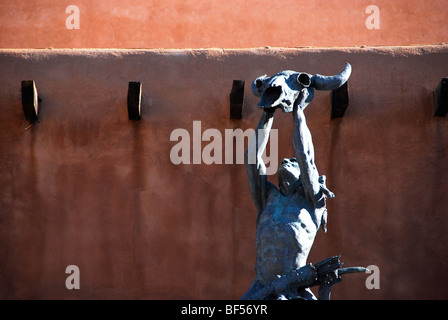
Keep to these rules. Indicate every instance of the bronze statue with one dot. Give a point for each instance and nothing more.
(290, 215)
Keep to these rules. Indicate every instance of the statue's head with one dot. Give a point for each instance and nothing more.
(287, 88)
(288, 175)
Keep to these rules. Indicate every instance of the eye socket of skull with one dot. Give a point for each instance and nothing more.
(304, 79)
(258, 83)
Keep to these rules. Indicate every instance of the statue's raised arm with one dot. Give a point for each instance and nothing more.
(255, 167)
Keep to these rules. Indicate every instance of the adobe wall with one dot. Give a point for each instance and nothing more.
(86, 186)
(221, 24)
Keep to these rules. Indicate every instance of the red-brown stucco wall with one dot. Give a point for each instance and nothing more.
(220, 24)
(86, 186)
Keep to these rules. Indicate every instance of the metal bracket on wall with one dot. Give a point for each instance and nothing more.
(339, 101)
(237, 99)
(134, 100)
(441, 98)
(30, 100)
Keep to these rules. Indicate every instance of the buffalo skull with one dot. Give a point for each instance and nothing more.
(287, 88)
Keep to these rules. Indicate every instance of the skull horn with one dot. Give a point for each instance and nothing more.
(331, 82)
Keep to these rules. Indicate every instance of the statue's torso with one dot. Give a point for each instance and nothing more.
(285, 234)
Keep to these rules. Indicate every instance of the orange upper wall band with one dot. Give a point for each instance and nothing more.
(222, 24)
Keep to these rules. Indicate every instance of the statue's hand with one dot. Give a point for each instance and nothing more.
(327, 266)
(329, 272)
(270, 110)
(305, 96)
